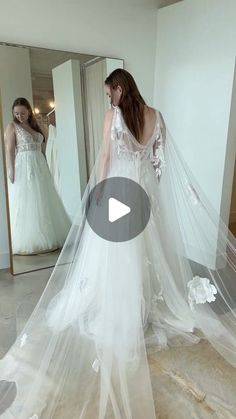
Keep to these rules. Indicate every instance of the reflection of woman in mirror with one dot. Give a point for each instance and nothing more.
(39, 222)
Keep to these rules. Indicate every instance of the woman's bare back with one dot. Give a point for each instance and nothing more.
(149, 124)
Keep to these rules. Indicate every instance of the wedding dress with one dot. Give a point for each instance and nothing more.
(83, 351)
(52, 155)
(39, 221)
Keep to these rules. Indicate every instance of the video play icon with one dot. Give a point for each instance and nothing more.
(118, 209)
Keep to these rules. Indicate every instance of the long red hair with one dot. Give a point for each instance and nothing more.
(131, 102)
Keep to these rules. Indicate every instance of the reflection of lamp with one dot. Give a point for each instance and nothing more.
(36, 111)
(52, 104)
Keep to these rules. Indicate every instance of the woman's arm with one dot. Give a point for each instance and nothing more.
(44, 144)
(105, 153)
(10, 141)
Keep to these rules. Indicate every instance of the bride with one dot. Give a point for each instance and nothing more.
(83, 351)
(39, 222)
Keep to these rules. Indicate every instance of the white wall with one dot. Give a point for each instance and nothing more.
(117, 29)
(15, 78)
(15, 81)
(196, 48)
(70, 134)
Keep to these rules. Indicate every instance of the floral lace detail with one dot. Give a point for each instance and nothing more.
(25, 141)
(120, 143)
(158, 157)
(200, 291)
(83, 284)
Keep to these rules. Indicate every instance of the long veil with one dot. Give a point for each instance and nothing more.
(83, 351)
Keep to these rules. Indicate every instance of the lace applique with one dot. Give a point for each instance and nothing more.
(200, 291)
(120, 144)
(35, 416)
(83, 283)
(157, 297)
(147, 261)
(158, 157)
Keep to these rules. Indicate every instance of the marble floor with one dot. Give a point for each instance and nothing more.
(188, 382)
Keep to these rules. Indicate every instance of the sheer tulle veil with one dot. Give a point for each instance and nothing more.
(83, 352)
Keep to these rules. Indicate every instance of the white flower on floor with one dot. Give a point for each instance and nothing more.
(200, 291)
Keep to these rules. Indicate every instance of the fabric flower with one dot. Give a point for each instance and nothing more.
(200, 291)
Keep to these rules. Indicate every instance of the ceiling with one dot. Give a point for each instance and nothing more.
(164, 3)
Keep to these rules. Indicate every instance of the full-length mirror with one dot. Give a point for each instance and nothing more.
(53, 104)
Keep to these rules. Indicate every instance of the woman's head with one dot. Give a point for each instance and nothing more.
(121, 88)
(23, 114)
(21, 110)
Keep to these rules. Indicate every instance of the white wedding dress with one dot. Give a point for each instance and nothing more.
(52, 155)
(83, 352)
(39, 222)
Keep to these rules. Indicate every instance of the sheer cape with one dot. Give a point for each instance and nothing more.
(83, 351)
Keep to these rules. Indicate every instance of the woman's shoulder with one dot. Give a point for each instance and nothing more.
(10, 128)
(11, 125)
(158, 114)
(109, 113)
(151, 110)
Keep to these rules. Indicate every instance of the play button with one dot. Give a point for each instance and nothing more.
(118, 209)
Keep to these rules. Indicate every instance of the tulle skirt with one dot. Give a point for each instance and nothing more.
(39, 221)
(114, 304)
(83, 352)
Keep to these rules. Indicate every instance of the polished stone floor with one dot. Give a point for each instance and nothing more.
(188, 382)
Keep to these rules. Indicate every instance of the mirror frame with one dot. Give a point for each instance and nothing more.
(7, 206)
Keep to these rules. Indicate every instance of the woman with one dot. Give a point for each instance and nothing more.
(83, 352)
(39, 222)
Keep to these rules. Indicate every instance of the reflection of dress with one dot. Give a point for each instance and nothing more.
(52, 155)
(38, 219)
